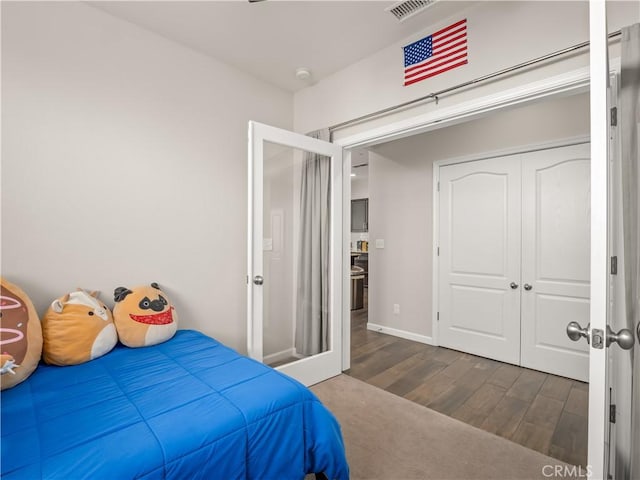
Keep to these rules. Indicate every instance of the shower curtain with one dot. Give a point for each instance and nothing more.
(630, 131)
(312, 302)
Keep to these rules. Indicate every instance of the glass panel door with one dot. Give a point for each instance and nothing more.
(295, 253)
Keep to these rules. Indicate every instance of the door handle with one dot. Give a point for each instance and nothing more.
(258, 280)
(575, 332)
(527, 287)
(513, 285)
(624, 338)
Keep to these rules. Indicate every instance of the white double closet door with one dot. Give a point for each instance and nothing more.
(514, 258)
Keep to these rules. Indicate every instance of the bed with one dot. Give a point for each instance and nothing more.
(187, 408)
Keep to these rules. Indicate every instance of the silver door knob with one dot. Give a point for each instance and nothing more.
(513, 285)
(624, 338)
(258, 280)
(527, 287)
(575, 332)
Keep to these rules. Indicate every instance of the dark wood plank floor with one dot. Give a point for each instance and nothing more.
(543, 412)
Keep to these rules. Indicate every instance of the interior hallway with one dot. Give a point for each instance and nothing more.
(540, 411)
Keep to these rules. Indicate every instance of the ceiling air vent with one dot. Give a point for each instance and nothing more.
(408, 8)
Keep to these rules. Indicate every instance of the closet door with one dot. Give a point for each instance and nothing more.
(555, 258)
(480, 258)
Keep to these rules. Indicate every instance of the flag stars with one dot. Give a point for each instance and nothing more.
(418, 51)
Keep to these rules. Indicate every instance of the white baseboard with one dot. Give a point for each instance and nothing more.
(278, 356)
(401, 333)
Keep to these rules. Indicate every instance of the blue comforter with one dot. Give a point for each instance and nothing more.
(188, 408)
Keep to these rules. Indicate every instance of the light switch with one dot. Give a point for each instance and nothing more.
(379, 243)
(267, 244)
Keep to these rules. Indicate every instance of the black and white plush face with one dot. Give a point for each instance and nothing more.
(143, 315)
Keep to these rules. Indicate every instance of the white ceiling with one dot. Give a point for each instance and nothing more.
(271, 39)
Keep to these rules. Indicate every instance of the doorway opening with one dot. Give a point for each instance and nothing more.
(359, 236)
(396, 345)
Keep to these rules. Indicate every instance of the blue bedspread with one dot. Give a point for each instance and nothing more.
(188, 408)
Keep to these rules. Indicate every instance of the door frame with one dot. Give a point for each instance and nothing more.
(527, 148)
(569, 83)
(598, 439)
(620, 432)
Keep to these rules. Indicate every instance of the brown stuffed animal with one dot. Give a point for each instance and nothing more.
(77, 328)
(143, 316)
(20, 335)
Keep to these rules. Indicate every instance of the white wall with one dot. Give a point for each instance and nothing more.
(500, 34)
(401, 200)
(360, 186)
(124, 162)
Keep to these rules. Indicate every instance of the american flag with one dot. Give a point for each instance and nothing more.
(437, 53)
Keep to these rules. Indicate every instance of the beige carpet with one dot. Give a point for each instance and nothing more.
(388, 437)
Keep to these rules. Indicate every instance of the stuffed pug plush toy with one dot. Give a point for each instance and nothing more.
(20, 335)
(77, 328)
(143, 316)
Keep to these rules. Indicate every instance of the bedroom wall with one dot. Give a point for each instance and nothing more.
(401, 202)
(500, 34)
(124, 162)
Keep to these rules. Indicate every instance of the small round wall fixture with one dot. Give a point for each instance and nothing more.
(303, 73)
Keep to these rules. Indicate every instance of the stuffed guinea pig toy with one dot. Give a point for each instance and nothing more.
(143, 316)
(20, 335)
(77, 328)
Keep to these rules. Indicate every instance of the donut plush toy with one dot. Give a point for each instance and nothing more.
(77, 327)
(20, 335)
(143, 316)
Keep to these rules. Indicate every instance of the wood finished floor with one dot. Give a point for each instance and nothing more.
(543, 412)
